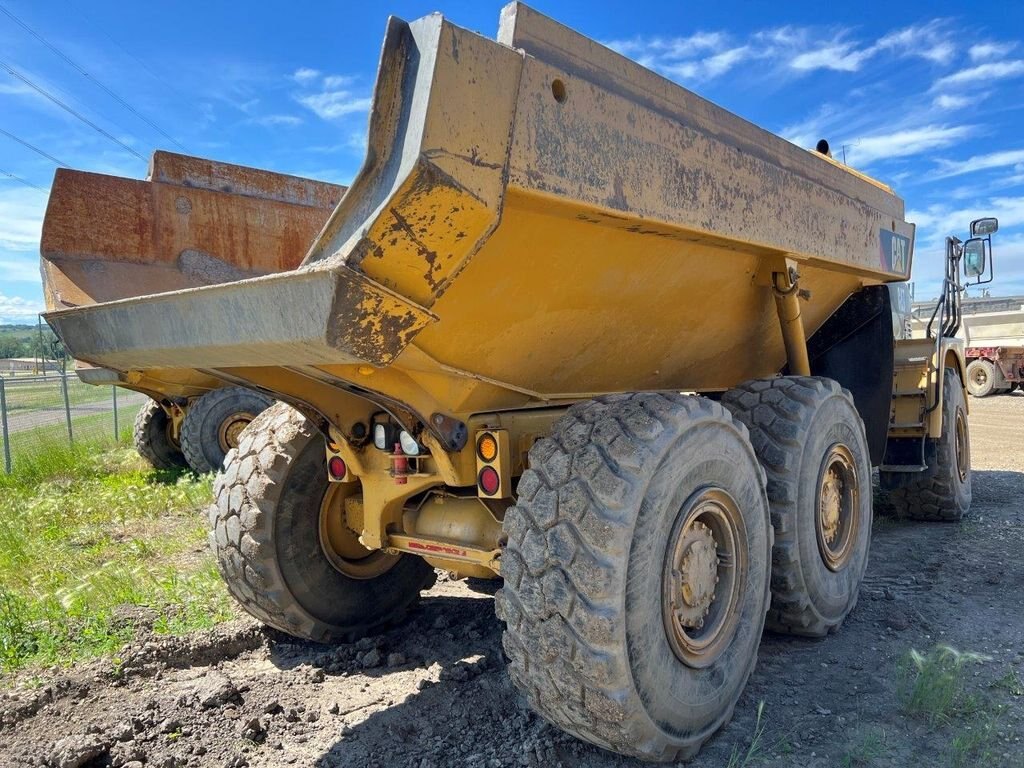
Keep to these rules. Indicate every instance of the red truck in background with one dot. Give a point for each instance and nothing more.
(993, 333)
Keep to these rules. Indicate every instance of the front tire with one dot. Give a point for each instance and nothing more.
(154, 439)
(214, 423)
(943, 491)
(810, 440)
(636, 573)
(282, 547)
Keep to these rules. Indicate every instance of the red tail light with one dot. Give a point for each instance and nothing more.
(489, 481)
(336, 467)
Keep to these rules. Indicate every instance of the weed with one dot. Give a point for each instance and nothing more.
(1010, 683)
(972, 745)
(866, 747)
(931, 684)
(738, 760)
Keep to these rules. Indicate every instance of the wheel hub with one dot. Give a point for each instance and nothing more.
(838, 504)
(831, 505)
(699, 575)
(704, 575)
(340, 543)
(231, 430)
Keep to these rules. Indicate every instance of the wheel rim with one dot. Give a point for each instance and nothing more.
(340, 543)
(705, 572)
(837, 505)
(979, 376)
(962, 449)
(230, 429)
(169, 432)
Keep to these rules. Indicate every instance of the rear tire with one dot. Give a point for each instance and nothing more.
(153, 439)
(810, 440)
(984, 378)
(266, 534)
(943, 491)
(214, 423)
(618, 508)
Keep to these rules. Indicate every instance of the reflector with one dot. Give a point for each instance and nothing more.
(336, 467)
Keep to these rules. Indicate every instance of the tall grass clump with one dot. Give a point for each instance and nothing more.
(91, 543)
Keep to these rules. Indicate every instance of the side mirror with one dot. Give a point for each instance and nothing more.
(983, 227)
(974, 255)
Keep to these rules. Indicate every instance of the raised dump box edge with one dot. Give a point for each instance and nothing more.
(460, 127)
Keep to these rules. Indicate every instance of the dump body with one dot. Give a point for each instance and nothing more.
(538, 220)
(192, 222)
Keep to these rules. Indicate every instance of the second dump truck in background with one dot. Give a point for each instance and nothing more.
(192, 222)
(481, 359)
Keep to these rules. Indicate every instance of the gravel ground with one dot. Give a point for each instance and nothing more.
(434, 692)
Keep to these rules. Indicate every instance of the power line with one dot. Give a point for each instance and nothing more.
(43, 92)
(86, 74)
(153, 73)
(18, 178)
(34, 148)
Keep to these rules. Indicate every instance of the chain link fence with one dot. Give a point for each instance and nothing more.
(40, 411)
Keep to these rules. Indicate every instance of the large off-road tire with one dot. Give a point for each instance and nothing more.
(267, 534)
(984, 378)
(629, 498)
(214, 422)
(810, 440)
(943, 491)
(153, 438)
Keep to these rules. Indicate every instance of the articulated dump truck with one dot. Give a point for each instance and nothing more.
(193, 222)
(576, 327)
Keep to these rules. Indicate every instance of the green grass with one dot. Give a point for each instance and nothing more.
(89, 537)
(41, 452)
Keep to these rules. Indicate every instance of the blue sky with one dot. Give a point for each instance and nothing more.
(927, 96)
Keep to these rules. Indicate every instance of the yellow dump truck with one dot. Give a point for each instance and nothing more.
(574, 326)
(192, 222)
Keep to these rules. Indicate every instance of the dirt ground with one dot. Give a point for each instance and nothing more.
(434, 692)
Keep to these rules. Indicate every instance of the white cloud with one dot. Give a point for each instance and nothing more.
(21, 270)
(904, 143)
(1000, 159)
(334, 104)
(305, 75)
(334, 82)
(18, 309)
(945, 101)
(669, 48)
(707, 55)
(21, 219)
(272, 120)
(995, 70)
(937, 221)
(929, 41)
(842, 57)
(983, 51)
(701, 56)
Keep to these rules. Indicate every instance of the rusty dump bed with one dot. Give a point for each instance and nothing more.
(538, 218)
(192, 222)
